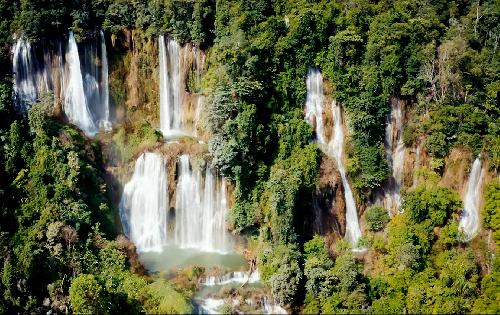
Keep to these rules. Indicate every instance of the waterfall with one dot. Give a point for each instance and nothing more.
(395, 153)
(179, 65)
(30, 77)
(170, 86)
(336, 149)
(200, 209)
(75, 101)
(233, 277)
(144, 204)
(77, 81)
(469, 221)
(314, 103)
(104, 122)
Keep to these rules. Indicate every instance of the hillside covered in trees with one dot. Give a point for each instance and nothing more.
(249, 156)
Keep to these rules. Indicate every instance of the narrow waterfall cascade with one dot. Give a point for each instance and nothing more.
(336, 149)
(395, 153)
(178, 112)
(201, 208)
(75, 101)
(233, 277)
(170, 85)
(315, 103)
(104, 122)
(79, 82)
(469, 221)
(144, 204)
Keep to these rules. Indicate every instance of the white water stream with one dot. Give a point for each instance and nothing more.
(334, 148)
(469, 221)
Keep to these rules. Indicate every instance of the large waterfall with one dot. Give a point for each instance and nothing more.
(75, 101)
(78, 81)
(395, 153)
(179, 110)
(315, 103)
(336, 148)
(315, 110)
(144, 204)
(469, 222)
(200, 209)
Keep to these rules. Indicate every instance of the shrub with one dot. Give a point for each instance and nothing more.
(376, 218)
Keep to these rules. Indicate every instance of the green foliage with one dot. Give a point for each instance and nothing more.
(434, 204)
(376, 218)
(127, 144)
(86, 295)
(491, 210)
(280, 267)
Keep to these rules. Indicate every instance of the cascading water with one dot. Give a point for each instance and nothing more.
(469, 221)
(200, 209)
(336, 149)
(177, 116)
(170, 86)
(314, 103)
(233, 277)
(75, 80)
(75, 101)
(30, 77)
(104, 122)
(395, 153)
(144, 204)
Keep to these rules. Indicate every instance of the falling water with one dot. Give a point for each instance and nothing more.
(29, 74)
(75, 101)
(469, 222)
(170, 86)
(240, 277)
(315, 103)
(104, 122)
(144, 204)
(395, 153)
(336, 148)
(314, 116)
(75, 80)
(200, 209)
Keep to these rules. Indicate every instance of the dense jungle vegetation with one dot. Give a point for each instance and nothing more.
(60, 249)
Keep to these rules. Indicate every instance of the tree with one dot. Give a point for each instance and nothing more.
(376, 218)
(87, 295)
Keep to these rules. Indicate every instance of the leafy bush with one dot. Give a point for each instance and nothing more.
(376, 218)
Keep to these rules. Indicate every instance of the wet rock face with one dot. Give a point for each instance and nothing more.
(328, 208)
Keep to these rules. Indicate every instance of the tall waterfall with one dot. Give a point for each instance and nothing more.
(170, 85)
(314, 103)
(144, 204)
(336, 148)
(200, 209)
(395, 153)
(178, 108)
(79, 82)
(104, 122)
(75, 101)
(469, 222)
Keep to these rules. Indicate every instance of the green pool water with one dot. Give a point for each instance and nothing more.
(173, 257)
